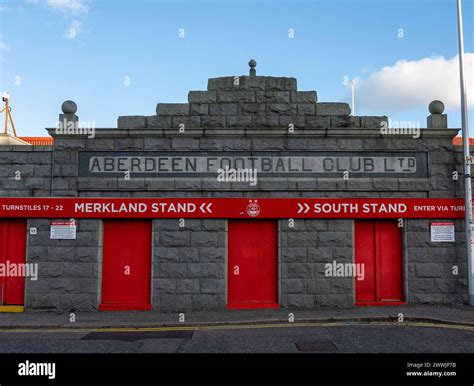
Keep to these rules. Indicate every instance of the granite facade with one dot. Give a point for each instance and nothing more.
(244, 114)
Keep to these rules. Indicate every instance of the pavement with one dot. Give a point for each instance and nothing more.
(283, 338)
(462, 315)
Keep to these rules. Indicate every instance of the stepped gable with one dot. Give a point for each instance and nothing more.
(251, 102)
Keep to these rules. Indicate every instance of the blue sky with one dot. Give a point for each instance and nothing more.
(140, 39)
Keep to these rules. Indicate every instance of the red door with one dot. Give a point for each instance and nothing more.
(252, 270)
(12, 251)
(126, 266)
(378, 245)
(365, 254)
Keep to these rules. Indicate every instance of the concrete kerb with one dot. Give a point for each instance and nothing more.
(280, 322)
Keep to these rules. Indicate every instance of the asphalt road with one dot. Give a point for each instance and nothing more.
(329, 338)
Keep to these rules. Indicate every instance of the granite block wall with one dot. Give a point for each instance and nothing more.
(189, 264)
(240, 114)
(25, 171)
(68, 270)
(305, 249)
(435, 272)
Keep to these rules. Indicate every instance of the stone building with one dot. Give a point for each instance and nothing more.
(313, 245)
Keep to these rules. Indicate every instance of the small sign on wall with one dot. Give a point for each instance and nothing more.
(442, 232)
(63, 230)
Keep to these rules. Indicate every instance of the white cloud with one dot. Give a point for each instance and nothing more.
(69, 8)
(414, 84)
(74, 29)
(65, 6)
(4, 46)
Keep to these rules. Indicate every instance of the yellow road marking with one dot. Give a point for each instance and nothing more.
(430, 325)
(238, 327)
(12, 309)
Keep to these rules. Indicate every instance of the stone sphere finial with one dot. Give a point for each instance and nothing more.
(252, 65)
(436, 107)
(69, 107)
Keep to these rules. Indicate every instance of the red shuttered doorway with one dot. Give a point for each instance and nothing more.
(12, 253)
(253, 264)
(378, 245)
(126, 269)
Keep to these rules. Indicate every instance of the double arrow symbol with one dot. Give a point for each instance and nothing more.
(206, 208)
(303, 208)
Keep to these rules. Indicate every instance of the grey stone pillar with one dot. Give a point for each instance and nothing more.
(69, 109)
(252, 71)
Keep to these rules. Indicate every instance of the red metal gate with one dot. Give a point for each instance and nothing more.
(12, 253)
(253, 264)
(126, 267)
(378, 245)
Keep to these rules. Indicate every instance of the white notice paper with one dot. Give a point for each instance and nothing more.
(442, 232)
(63, 230)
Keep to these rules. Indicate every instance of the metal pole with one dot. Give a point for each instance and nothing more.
(5, 130)
(11, 121)
(353, 98)
(467, 160)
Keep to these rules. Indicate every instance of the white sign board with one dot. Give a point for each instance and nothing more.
(63, 230)
(442, 232)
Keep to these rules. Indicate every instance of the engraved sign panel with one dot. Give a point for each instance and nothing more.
(267, 164)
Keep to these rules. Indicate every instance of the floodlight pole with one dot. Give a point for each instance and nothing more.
(467, 161)
(8, 115)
